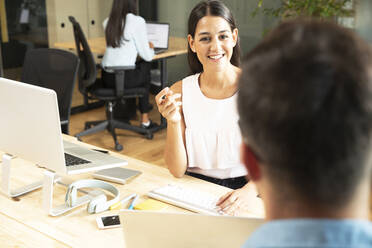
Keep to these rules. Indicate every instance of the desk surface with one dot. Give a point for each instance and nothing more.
(177, 46)
(24, 223)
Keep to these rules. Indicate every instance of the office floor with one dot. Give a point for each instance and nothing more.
(135, 145)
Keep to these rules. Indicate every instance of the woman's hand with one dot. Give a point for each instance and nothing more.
(235, 202)
(168, 107)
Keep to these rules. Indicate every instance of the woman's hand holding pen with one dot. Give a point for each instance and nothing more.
(168, 105)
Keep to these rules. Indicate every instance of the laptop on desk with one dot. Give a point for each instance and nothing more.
(30, 129)
(158, 35)
(145, 229)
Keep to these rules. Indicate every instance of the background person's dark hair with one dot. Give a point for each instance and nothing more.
(210, 8)
(305, 102)
(116, 22)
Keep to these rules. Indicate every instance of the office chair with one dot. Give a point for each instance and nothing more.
(87, 74)
(95, 89)
(54, 69)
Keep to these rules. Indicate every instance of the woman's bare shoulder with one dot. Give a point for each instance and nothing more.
(177, 87)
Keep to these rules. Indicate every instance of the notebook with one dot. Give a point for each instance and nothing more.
(144, 229)
(158, 35)
(30, 129)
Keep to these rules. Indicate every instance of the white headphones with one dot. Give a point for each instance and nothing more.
(97, 204)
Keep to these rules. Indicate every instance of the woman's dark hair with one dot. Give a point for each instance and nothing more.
(116, 22)
(210, 8)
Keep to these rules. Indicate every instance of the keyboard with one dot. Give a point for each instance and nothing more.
(73, 160)
(160, 50)
(183, 197)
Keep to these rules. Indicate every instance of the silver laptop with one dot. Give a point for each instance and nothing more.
(30, 129)
(158, 34)
(144, 229)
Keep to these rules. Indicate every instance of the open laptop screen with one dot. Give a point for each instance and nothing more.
(30, 126)
(158, 34)
(30, 129)
(146, 229)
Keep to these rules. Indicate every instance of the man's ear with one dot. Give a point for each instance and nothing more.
(249, 159)
(190, 40)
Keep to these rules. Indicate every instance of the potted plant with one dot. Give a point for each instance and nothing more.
(322, 9)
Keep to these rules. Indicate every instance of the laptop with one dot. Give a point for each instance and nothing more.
(158, 35)
(144, 229)
(30, 129)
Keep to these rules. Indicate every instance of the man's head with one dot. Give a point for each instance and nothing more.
(305, 105)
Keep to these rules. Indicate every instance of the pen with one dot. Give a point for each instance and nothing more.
(133, 203)
(120, 203)
(98, 150)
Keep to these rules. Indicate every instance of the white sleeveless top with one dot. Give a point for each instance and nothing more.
(212, 133)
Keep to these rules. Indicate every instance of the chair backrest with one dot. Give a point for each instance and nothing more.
(87, 70)
(54, 69)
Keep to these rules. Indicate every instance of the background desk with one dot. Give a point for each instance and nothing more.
(177, 46)
(24, 223)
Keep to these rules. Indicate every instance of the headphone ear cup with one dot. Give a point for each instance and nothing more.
(96, 202)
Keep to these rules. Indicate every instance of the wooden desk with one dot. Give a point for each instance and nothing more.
(24, 222)
(177, 46)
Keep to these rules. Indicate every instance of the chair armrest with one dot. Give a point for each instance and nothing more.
(64, 122)
(119, 68)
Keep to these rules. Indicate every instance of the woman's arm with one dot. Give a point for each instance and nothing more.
(169, 105)
(141, 40)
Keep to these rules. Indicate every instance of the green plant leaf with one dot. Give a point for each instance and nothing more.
(323, 9)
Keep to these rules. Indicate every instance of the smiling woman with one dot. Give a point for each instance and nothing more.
(213, 43)
(203, 136)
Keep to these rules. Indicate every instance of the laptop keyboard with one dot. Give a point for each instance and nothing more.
(73, 160)
(160, 50)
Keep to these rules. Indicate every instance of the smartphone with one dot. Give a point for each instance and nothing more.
(116, 175)
(105, 222)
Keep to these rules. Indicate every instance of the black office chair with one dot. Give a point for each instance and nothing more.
(94, 89)
(54, 69)
(87, 74)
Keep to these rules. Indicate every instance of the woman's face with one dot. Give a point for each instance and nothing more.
(213, 42)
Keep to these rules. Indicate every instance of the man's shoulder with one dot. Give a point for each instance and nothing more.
(320, 233)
